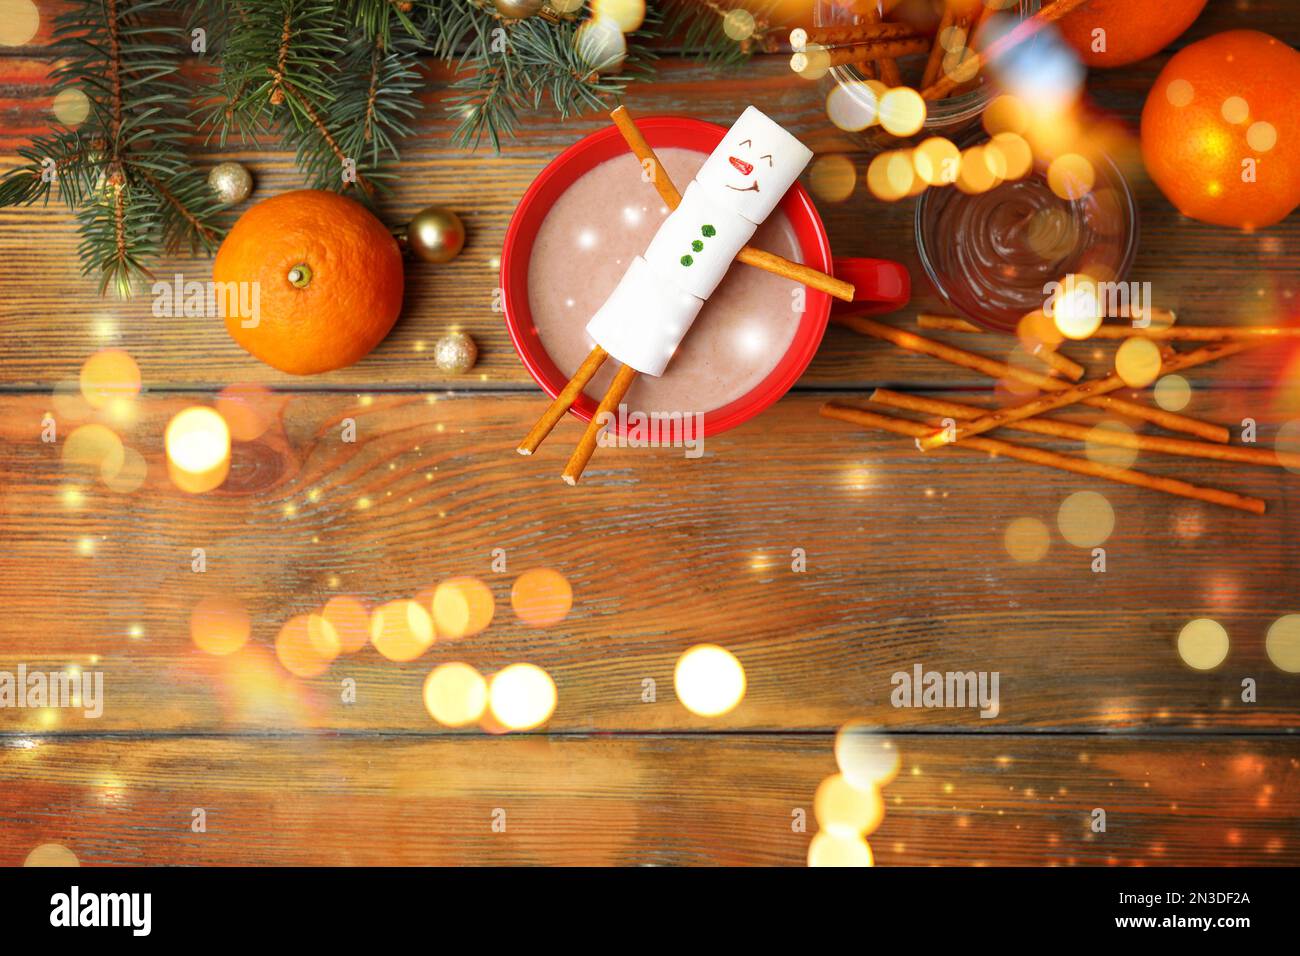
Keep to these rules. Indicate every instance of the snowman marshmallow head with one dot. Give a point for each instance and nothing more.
(753, 167)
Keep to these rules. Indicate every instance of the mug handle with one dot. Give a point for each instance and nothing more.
(880, 286)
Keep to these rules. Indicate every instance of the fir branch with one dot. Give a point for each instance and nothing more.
(123, 170)
(700, 25)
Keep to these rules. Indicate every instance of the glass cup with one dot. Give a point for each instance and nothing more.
(992, 256)
(948, 117)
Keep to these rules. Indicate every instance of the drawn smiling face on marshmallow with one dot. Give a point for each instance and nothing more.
(753, 167)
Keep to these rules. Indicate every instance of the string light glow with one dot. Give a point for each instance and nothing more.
(541, 597)
(1203, 644)
(709, 680)
(865, 755)
(455, 694)
(219, 625)
(845, 810)
(521, 697)
(401, 630)
(198, 449)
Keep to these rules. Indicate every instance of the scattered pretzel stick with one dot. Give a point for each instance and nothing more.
(887, 67)
(1070, 396)
(995, 369)
(865, 52)
(1058, 428)
(871, 31)
(1051, 459)
(1021, 32)
(937, 51)
(646, 156)
(1053, 359)
(1198, 333)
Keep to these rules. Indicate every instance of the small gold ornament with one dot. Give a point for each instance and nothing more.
(434, 234)
(455, 352)
(518, 9)
(231, 182)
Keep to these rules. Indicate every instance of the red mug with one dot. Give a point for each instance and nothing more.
(880, 285)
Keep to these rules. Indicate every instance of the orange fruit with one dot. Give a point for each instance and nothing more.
(324, 274)
(1220, 131)
(1133, 29)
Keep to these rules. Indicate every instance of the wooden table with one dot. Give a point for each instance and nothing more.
(905, 565)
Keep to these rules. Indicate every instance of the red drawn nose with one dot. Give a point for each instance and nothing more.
(744, 167)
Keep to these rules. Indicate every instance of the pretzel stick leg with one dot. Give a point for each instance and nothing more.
(582, 454)
(564, 401)
(1040, 456)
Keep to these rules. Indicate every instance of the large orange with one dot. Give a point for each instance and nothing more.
(1133, 29)
(328, 278)
(1221, 133)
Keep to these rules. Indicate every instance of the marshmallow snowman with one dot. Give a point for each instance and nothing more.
(740, 184)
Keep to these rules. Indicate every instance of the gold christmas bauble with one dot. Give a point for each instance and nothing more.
(455, 352)
(231, 182)
(518, 9)
(435, 234)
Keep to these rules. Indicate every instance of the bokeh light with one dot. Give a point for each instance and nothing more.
(600, 46)
(866, 755)
(455, 694)
(1077, 309)
(541, 597)
(852, 106)
(1137, 362)
(350, 621)
(1104, 452)
(462, 607)
(1008, 156)
(1283, 643)
(1086, 519)
(325, 641)
(198, 449)
(401, 630)
(70, 107)
(1027, 540)
(1071, 176)
(1172, 393)
(709, 680)
(1203, 644)
(1287, 442)
(627, 15)
(295, 651)
(51, 854)
(248, 409)
(738, 23)
(94, 448)
(937, 161)
(845, 810)
(1261, 137)
(902, 111)
(832, 178)
(128, 476)
(890, 176)
(826, 849)
(109, 375)
(1235, 110)
(976, 174)
(1006, 114)
(219, 625)
(19, 21)
(521, 697)
(812, 62)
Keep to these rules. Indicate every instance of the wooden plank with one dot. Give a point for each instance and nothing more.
(1253, 279)
(905, 565)
(667, 800)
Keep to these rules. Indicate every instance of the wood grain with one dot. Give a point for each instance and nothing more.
(660, 800)
(905, 565)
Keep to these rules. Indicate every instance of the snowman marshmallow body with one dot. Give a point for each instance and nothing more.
(740, 184)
